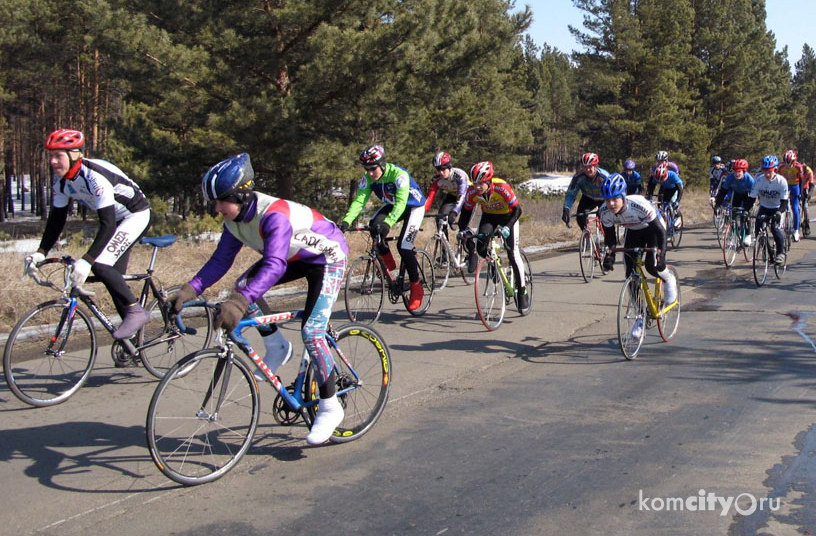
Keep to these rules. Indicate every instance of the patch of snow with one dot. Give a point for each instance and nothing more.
(547, 184)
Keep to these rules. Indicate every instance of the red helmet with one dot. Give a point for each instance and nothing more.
(590, 159)
(741, 165)
(661, 172)
(790, 156)
(65, 139)
(481, 172)
(442, 160)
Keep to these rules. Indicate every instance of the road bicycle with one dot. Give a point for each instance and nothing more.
(735, 230)
(368, 278)
(674, 223)
(447, 259)
(765, 254)
(591, 246)
(495, 283)
(640, 307)
(201, 422)
(51, 351)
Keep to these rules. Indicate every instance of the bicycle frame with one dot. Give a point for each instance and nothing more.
(494, 254)
(652, 298)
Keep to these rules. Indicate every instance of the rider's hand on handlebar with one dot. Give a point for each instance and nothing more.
(343, 226)
(31, 262)
(565, 216)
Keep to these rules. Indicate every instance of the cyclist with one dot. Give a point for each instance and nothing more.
(772, 191)
(403, 201)
(501, 211)
(671, 186)
(453, 182)
(634, 183)
(123, 212)
(716, 174)
(295, 242)
(662, 157)
(644, 228)
(738, 184)
(796, 174)
(588, 182)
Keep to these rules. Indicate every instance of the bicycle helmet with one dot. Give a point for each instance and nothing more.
(770, 161)
(741, 165)
(662, 156)
(590, 159)
(65, 139)
(373, 156)
(613, 186)
(629, 164)
(231, 177)
(716, 160)
(730, 166)
(442, 161)
(482, 172)
(790, 156)
(661, 172)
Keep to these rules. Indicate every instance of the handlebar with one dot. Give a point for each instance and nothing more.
(33, 270)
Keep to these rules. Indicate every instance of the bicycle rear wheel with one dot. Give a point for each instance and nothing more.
(761, 259)
(426, 277)
(490, 294)
(363, 367)
(631, 317)
(48, 356)
(667, 323)
(587, 256)
(364, 290)
(441, 262)
(730, 244)
(201, 423)
(161, 345)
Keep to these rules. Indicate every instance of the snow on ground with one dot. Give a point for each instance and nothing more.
(546, 183)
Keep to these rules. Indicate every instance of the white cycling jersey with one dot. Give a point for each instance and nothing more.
(99, 184)
(770, 192)
(637, 213)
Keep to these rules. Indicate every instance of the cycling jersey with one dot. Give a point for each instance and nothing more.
(770, 192)
(396, 187)
(716, 175)
(280, 230)
(669, 189)
(793, 173)
(499, 198)
(99, 184)
(636, 214)
(738, 186)
(456, 185)
(634, 182)
(588, 186)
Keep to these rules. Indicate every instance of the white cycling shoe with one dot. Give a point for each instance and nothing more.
(278, 352)
(329, 416)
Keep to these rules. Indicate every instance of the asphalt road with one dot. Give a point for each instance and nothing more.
(539, 428)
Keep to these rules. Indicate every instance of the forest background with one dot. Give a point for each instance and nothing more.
(164, 89)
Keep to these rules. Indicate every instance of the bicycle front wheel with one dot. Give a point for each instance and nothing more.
(426, 277)
(489, 291)
(730, 244)
(364, 290)
(363, 367)
(202, 417)
(631, 317)
(587, 256)
(667, 322)
(49, 354)
(441, 262)
(161, 345)
(761, 259)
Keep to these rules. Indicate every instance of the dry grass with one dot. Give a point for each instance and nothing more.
(541, 224)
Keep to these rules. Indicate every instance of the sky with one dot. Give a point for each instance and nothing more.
(796, 17)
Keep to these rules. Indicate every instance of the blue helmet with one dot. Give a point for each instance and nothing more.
(770, 161)
(629, 164)
(613, 186)
(227, 177)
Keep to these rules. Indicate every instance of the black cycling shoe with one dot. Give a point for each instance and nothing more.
(473, 261)
(523, 301)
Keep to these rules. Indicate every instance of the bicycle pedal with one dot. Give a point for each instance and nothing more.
(127, 362)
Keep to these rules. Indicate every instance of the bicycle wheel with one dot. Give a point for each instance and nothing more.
(363, 366)
(49, 356)
(730, 244)
(631, 317)
(677, 234)
(719, 219)
(528, 285)
(761, 259)
(161, 345)
(426, 277)
(364, 291)
(667, 323)
(598, 247)
(441, 262)
(462, 261)
(587, 256)
(489, 291)
(200, 424)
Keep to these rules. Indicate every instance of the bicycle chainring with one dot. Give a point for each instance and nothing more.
(120, 356)
(282, 412)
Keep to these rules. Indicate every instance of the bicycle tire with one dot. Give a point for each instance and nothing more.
(490, 294)
(528, 285)
(598, 247)
(586, 256)
(426, 277)
(42, 380)
(729, 245)
(442, 263)
(462, 261)
(631, 308)
(364, 290)
(667, 324)
(677, 234)
(364, 371)
(760, 260)
(193, 439)
(161, 345)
